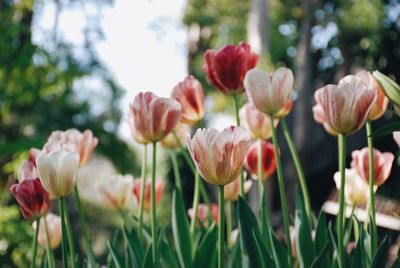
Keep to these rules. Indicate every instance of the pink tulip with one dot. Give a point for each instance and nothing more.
(152, 118)
(160, 188)
(268, 160)
(319, 114)
(257, 123)
(347, 105)
(396, 137)
(227, 66)
(382, 164)
(202, 214)
(170, 141)
(190, 94)
(54, 231)
(270, 93)
(27, 169)
(232, 190)
(116, 193)
(219, 156)
(72, 140)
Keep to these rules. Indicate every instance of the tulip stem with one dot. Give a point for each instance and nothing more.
(371, 186)
(229, 222)
(299, 169)
(340, 221)
(282, 192)
(221, 227)
(34, 244)
(49, 252)
(260, 180)
(142, 189)
(63, 233)
(236, 103)
(195, 202)
(175, 167)
(71, 242)
(85, 232)
(153, 205)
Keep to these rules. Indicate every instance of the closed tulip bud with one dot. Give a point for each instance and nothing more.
(72, 140)
(152, 118)
(190, 94)
(389, 87)
(232, 190)
(53, 228)
(257, 123)
(319, 114)
(219, 156)
(202, 214)
(57, 171)
(270, 93)
(347, 105)
(116, 193)
(356, 190)
(268, 160)
(382, 164)
(32, 198)
(171, 141)
(227, 67)
(160, 187)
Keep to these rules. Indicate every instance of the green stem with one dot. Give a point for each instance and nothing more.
(85, 232)
(71, 242)
(175, 167)
(299, 168)
(195, 202)
(49, 252)
(282, 192)
(34, 244)
(260, 181)
(340, 222)
(221, 227)
(63, 233)
(371, 187)
(142, 189)
(349, 225)
(236, 103)
(153, 205)
(229, 224)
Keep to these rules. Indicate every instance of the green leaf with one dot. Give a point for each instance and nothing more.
(118, 261)
(180, 230)
(281, 252)
(321, 236)
(389, 87)
(381, 255)
(320, 259)
(387, 129)
(148, 258)
(168, 256)
(266, 227)
(135, 249)
(304, 242)
(235, 256)
(359, 252)
(207, 252)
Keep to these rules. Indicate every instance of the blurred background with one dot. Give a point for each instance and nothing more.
(76, 63)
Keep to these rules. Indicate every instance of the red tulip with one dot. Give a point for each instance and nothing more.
(151, 118)
(268, 160)
(202, 214)
(382, 164)
(160, 187)
(257, 123)
(189, 93)
(232, 190)
(72, 140)
(227, 67)
(32, 198)
(219, 156)
(347, 105)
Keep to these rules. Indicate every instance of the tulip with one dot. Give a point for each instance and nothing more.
(347, 105)
(72, 140)
(382, 164)
(258, 124)
(57, 171)
(356, 190)
(53, 228)
(396, 137)
(388, 86)
(319, 114)
(171, 141)
(27, 170)
(152, 118)
(270, 93)
(232, 190)
(116, 193)
(219, 156)
(202, 214)
(32, 198)
(160, 187)
(268, 160)
(190, 94)
(227, 67)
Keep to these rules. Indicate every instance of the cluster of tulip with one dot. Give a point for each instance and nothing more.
(218, 157)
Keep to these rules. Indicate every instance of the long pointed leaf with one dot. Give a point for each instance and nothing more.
(381, 255)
